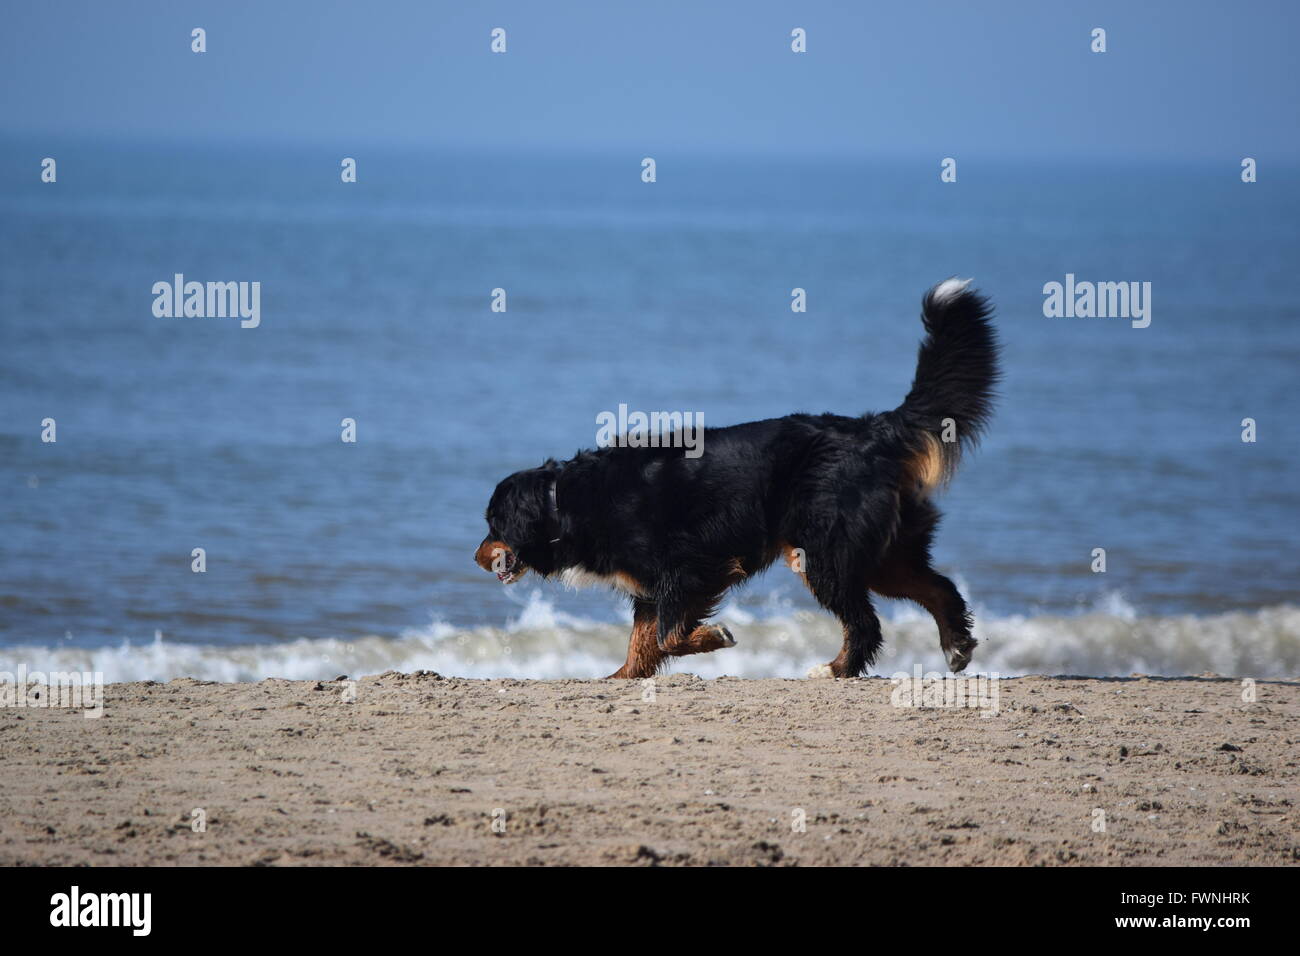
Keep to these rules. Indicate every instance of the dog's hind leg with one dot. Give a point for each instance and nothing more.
(851, 603)
(940, 597)
(862, 640)
(645, 656)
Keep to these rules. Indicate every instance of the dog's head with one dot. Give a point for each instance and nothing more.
(522, 525)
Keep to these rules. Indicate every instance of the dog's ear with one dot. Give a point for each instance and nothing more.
(523, 510)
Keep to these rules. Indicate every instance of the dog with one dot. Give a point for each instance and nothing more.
(847, 502)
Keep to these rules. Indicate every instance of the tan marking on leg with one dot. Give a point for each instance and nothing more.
(922, 585)
(644, 656)
(705, 638)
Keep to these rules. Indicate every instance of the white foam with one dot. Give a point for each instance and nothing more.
(1110, 639)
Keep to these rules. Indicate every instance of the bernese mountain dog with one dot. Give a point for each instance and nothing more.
(847, 502)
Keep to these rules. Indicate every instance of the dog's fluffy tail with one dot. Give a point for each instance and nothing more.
(952, 394)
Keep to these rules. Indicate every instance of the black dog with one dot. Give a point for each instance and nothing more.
(845, 500)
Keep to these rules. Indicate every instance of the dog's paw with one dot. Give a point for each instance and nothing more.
(959, 654)
(724, 635)
(821, 671)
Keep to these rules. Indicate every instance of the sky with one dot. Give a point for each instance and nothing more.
(1179, 80)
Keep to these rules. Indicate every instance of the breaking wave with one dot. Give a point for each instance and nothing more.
(543, 642)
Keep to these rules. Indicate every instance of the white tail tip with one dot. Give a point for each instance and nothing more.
(949, 289)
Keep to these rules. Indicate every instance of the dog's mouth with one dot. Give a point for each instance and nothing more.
(511, 569)
(496, 556)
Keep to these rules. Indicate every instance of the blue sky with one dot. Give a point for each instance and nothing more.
(1183, 81)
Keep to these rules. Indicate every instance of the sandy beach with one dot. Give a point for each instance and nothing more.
(421, 769)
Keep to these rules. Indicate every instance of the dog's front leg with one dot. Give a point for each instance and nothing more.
(644, 655)
(680, 629)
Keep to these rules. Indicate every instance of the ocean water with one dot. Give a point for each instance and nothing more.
(326, 558)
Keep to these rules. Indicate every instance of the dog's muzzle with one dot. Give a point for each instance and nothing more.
(507, 567)
(496, 556)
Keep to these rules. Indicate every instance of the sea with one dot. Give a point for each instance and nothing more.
(1165, 454)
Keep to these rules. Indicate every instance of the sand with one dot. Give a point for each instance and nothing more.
(421, 769)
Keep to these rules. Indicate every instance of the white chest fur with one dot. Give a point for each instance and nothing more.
(579, 577)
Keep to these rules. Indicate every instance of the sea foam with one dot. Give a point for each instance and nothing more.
(1109, 639)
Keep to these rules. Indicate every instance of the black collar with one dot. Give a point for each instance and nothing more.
(554, 512)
